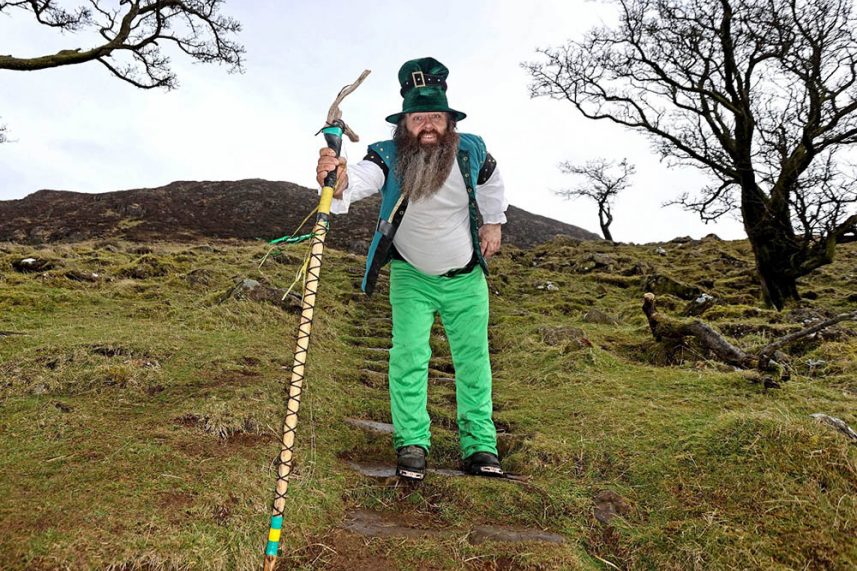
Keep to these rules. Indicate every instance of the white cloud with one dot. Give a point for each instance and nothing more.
(81, 129)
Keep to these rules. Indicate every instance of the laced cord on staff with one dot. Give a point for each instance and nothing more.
(313, 272)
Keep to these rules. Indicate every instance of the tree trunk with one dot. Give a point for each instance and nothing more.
(776, 257)
(777, 288)
(776, 249)
(605, 218)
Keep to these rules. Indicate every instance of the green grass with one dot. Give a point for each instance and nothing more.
(139, 418)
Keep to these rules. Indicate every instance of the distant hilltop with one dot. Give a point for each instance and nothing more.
(246, 209)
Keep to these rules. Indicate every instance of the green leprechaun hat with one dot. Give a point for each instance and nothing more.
(423, 84)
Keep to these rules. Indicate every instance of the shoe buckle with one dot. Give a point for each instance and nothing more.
(411, 475)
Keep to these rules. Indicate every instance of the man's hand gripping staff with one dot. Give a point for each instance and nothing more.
(333, 131)
(328, 162)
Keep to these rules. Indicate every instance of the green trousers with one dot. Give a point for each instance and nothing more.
(462, 302)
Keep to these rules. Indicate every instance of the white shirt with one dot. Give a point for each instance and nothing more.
(434, 235)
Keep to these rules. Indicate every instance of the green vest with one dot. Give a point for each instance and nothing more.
(471, 158)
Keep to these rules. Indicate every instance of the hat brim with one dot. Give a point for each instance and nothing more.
(456, 115)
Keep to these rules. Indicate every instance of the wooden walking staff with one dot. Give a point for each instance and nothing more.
(333, 132)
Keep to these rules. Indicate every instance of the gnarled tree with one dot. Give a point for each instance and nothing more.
(604, 180)
(132, 35)
(759, 94)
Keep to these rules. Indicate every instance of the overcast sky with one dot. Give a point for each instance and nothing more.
(79, 128)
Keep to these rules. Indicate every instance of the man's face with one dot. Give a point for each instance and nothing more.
(427, 128)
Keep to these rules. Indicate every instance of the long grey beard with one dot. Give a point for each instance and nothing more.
(422, 169)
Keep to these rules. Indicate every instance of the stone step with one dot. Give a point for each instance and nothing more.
(506, 441)
(375, 349)
(364, 341)
(377, 366)
(370, 523)
(385, 474)
(373, 379)
(443, 365)
(378, 378)
(370, 425)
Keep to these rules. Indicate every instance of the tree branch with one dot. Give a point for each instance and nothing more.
(201, 32)
(771, 348)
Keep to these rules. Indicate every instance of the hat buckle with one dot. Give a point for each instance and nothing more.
(419, 79)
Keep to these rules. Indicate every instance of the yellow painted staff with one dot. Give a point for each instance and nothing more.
(333, 131)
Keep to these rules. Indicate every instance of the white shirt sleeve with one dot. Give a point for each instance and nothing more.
(491, 199)
(364, 179)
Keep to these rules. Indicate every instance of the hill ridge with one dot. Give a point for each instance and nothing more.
(189, 210)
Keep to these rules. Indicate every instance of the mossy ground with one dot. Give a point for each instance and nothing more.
(139, 417)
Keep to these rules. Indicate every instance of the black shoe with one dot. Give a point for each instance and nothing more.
(483, 464)
(411, 462)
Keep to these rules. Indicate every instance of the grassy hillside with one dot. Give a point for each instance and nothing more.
(140, 415)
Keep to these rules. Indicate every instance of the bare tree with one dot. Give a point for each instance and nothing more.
(602, 185)
(132, 36)
(759, 94)
(2, 133)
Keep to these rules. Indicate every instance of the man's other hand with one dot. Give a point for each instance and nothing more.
(489, 238)
(327, 161)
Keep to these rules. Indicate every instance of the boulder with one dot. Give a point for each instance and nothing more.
(250, 290)
(79, 276)
(147, 266)
(660, 284)
(681, 240)
(699, 305)
(609, 504)
(200, 277)
(286, 259)
(595, 261)
(32, 265)
(598, 316)
(571, 337)
(641, 268)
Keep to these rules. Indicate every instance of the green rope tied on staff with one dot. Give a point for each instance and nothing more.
(292, 239)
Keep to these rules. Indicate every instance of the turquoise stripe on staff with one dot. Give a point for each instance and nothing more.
(272, 548)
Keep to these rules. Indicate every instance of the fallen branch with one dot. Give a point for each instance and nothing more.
(673, 331)
(792, 337)
(665, 328)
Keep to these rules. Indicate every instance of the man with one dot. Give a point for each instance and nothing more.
(434, 183)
